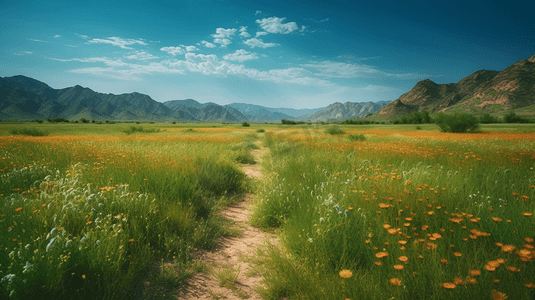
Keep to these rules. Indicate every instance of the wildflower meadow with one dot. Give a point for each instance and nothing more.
(91, 211)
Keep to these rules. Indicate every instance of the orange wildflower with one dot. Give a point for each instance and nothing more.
(529, 285)
(457, 281)
(131, 240)
(470, 280)
(398, 267)
(18, 209)
(378, 263)
(495, 219)
(381, 254)
(457, 254)
(490, 268)
(345, 273)
(508, 248)
(443, 260)
(473, 272)
(448, 285)
(498, 295)
(395, 281)
(527, 214)
(403, 258)
(513, 269)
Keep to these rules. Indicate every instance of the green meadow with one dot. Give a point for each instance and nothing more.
(92, 211)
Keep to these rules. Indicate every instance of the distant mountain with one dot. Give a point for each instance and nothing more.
(262, 113)
(348, 110)
(24, 98)
(481, 92)
(257, 113)
(206, 111)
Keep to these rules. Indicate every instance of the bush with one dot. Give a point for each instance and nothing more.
(512, 117)
(457, 122)
(140, 129)
(244, 157)
(356, 137)
(28, 131)
(260, 130)
(245, 124)
(488, 119)
(416, 117)
(334, 129)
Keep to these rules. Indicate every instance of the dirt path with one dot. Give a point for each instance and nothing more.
(230, 274)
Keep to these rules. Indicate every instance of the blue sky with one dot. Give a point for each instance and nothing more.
(274, 53)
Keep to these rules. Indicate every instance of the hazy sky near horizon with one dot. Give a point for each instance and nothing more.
(295, 54)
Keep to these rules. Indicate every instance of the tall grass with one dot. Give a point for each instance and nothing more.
(427, 224)
(85, 219)
(31, 131)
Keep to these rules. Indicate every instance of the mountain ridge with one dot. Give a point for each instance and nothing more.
(25, 98)
(483, 91)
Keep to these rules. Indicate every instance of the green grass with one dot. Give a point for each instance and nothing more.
(86, 218)
(326, 203)
(28, 131)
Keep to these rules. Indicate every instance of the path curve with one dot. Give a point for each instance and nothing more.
(233, 254)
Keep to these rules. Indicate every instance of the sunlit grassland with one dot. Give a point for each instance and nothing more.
(85, 215)
(408, 214)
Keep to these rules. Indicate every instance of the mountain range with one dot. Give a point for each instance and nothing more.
(25, 98)
(481, 92)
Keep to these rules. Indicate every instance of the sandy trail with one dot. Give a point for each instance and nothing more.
(233, 254)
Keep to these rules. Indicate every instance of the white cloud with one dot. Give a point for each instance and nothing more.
(275, 25)
(210, 65)
(257, 12)
(331, 69)
(85, 37)
(223, 36)
(105, 60)
(117, 41)
(243, 32)
(21, 53)
(224, 33)
(40, 41)
(208, 44)
(241, 56)
(261, 33)
(57, 36)
(190, 48)
(141, 55)
(254, 42)
(173, 50)
(223, 42)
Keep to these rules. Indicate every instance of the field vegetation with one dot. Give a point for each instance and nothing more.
(95, 211)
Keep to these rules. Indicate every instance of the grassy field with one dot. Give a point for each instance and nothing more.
(401, 212)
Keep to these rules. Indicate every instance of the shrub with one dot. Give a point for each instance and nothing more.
(356, 137)
(245, 124)
(334, 129)
(140, 129)
(260, 130)
(512, 117)
(28, 131)
(488, 119)
(457, 122)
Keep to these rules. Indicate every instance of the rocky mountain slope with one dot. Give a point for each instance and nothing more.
(24, 98)
(348, 110)
(481, 92)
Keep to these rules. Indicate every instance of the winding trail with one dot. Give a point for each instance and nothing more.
(234, 254)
